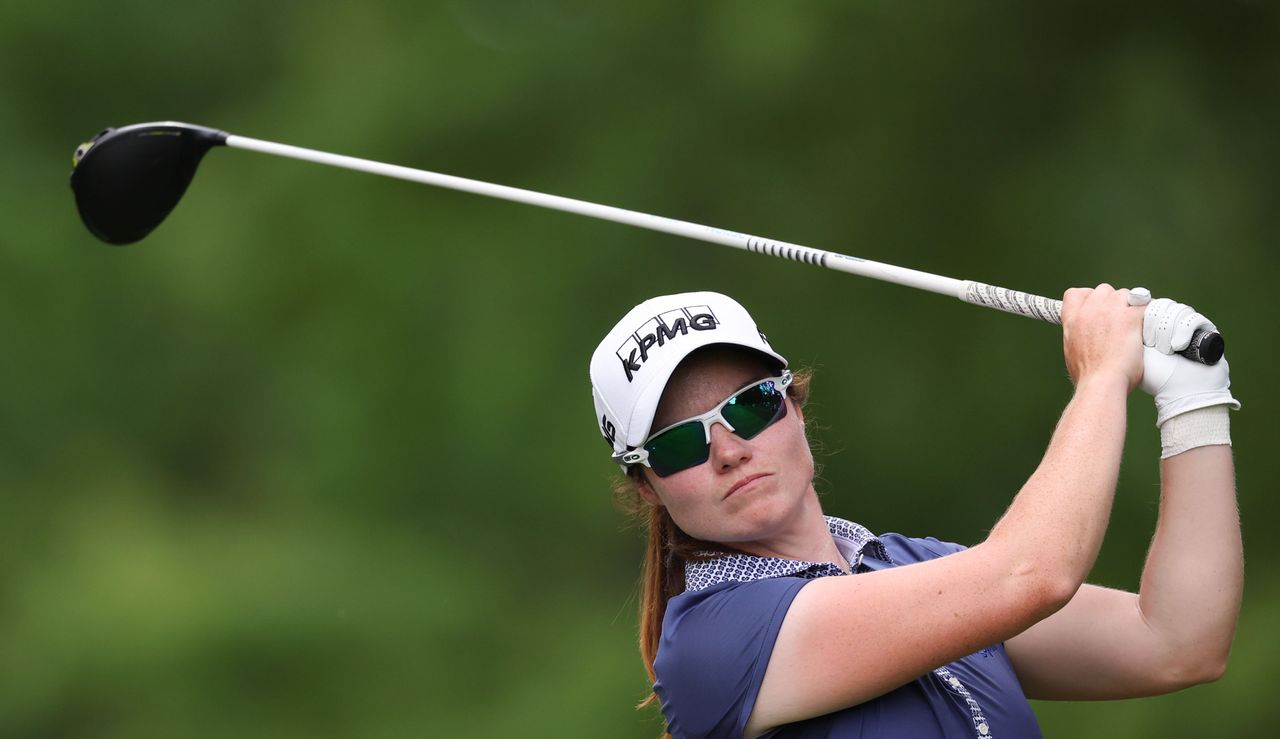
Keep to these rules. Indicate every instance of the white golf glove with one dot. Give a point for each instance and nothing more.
(1179, 384)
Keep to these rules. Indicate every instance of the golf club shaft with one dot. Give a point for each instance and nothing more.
(977, 293)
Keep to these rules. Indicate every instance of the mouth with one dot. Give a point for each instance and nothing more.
(745, 482)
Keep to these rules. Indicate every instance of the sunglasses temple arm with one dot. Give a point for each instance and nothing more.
(631, 456)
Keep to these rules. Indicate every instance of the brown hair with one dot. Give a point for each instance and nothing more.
(668, 547)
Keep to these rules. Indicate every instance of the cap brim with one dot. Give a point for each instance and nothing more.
(647, 401)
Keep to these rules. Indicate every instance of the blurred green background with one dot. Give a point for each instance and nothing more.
(317, 458)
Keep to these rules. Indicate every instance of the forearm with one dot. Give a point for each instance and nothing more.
(1108, 644)
(1194, 575)
(1177, 631)
(1056, 523)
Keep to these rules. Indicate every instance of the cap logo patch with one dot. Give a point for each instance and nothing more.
(657, 331)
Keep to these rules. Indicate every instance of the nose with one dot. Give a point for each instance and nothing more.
(728, 450)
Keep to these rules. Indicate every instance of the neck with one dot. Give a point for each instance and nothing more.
(807, 538)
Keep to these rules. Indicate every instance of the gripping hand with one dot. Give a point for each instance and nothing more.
(1179, 385)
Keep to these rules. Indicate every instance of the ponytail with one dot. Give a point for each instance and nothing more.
(667, 548)
(662, 582)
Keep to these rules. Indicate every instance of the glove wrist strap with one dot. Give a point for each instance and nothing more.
(1201, 427)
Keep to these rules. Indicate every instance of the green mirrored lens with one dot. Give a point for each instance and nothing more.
(678, 449)
(749, 412)
(753, 409)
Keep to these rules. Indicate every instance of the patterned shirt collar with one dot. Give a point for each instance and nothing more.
(853, 541)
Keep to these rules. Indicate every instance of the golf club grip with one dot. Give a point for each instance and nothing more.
(1206, 347)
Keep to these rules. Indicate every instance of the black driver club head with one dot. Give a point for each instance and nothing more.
(127, 180)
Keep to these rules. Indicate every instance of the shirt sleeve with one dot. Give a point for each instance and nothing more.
(909, 549)
(715, 646)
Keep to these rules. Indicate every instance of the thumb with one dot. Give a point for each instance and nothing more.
(1157, 368)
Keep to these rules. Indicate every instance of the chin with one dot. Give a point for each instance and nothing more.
(759, 518)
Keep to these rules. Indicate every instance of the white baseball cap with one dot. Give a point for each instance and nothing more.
(631, 366)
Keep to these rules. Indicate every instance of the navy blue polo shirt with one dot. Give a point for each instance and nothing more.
(718, 635)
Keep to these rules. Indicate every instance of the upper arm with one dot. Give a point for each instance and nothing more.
(724, 633)
(1098, 647)
(846, 640)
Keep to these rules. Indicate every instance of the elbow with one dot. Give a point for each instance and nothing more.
(1212, 672)
(1059, 590)
(1193, 667)
(1034, 587)
(1201, 669)
(1046, 590)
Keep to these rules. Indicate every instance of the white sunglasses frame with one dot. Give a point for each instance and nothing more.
(640, 455)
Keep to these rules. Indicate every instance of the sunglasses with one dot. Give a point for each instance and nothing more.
(687, 443)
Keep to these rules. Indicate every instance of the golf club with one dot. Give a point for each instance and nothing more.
(127, 180)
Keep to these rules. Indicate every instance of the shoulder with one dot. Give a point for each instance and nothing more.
(909, 549)
(700, 621)
(728, 631)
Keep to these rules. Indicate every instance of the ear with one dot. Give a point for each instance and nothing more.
(646, 490)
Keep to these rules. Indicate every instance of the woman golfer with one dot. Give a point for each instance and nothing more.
(763, 617)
